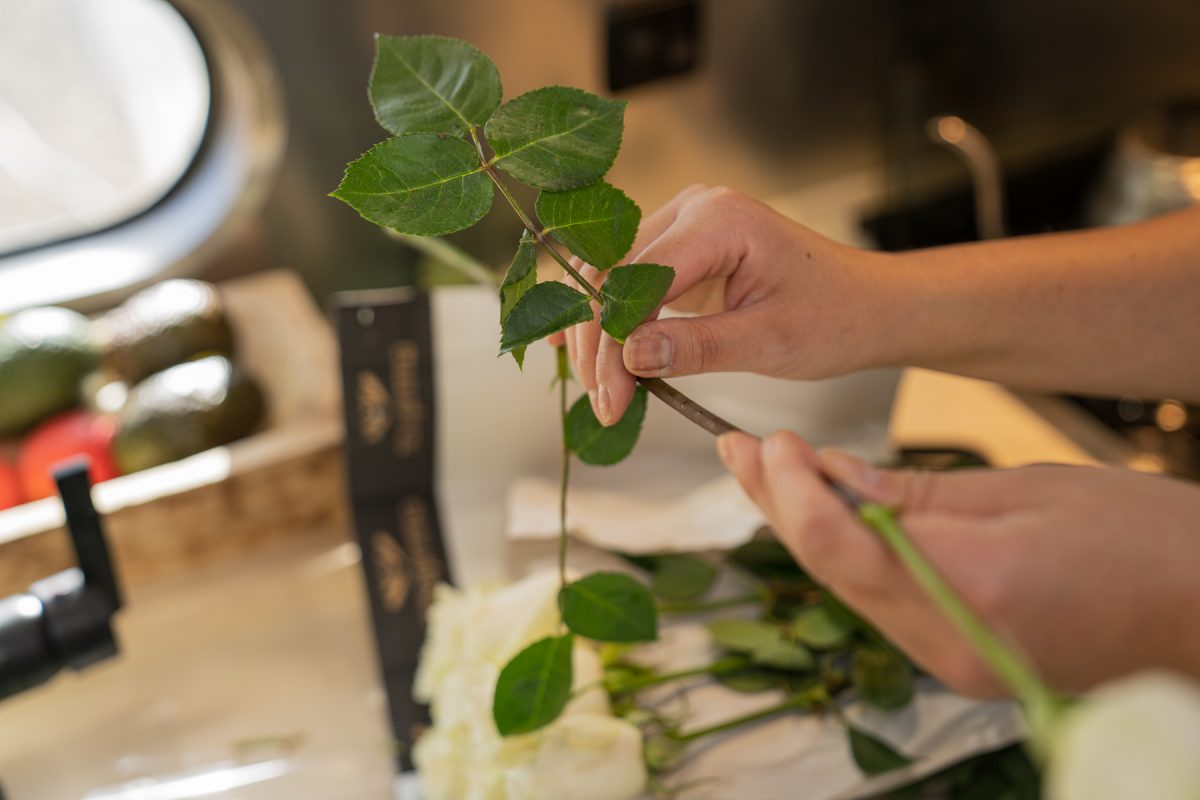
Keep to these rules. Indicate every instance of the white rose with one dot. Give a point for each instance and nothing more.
(585, 756)
(472, 634)
(1135, 738)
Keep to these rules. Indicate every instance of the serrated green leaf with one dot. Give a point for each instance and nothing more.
(682, 577)
(432, 84)
(816, 627)
(534, 687)
(883, 676)
(873, 756)
(597, 445)
(783, 653)
(609, 607)
(557, 138)
(742, 635)
(597, 222)
(520, 278)
(631, 293)
(420, 183)
(544, 309)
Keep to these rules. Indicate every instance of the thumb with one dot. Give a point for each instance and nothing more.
(726, 342)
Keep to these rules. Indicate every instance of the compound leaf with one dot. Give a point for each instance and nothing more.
(609, 607)
(631, 293)
(872, 755)
(542, 310)
(420, 183)
(534, 687)
(432, 84)
(557, 138)
(597, 222)
(816, 627)
(520, 278)
(682, 577)
(595, 444)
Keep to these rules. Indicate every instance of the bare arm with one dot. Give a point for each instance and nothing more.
(1112, 311)
(1109, 311)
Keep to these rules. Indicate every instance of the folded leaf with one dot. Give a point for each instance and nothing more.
(557, 137)
(609, 607)
(631, 293)
(520, 278)
(420, 183)
(872, 755)
(600, 446)
(544, 309)
(534, 687)
(432, 84)
(597, 222)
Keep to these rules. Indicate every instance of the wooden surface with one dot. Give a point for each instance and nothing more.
(231, 500)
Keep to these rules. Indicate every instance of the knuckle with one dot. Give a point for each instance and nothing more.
(723, 198)
(705, 348)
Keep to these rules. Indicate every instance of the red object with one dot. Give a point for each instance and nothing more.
(10, 486)
(61, 438)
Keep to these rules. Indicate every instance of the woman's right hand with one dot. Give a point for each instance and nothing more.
(769, 296)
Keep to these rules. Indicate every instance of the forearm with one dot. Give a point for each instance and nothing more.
(1111, 311)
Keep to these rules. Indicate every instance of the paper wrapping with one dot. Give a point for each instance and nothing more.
(793, 755)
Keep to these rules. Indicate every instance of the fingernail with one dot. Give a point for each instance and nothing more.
(603, 412)
(850, 469)
(725, 450)
(649, 352)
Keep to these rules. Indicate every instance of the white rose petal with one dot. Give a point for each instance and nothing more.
(586, 753)
(590, 757)
(1135, 738)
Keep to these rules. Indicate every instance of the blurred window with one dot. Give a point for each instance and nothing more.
(103, 107)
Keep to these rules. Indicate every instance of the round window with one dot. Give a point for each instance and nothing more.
(103, 106)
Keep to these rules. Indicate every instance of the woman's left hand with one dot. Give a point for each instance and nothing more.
(1092, 572)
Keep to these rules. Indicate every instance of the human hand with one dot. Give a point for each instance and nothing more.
(771, 296)
(1090, 572)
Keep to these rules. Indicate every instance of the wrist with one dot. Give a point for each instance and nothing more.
(885, 304)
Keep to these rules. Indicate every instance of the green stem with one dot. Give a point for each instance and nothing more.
(563, 374)
(710, 605)
(791, 704)
(478, 137)
(719, 667)
(1041, 704)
